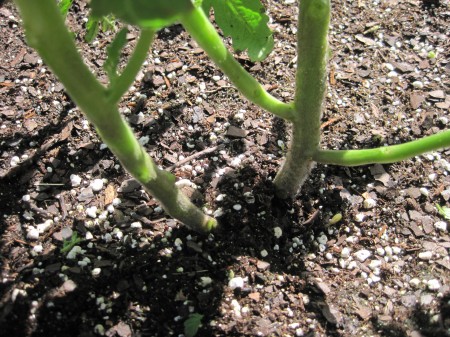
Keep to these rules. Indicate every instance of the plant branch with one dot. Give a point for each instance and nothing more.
(47, 33)
(198, 25)
(386, 154)
(128, 76)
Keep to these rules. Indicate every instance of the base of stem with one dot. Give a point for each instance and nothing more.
(290, 179)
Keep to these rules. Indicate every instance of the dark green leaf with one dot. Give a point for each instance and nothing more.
(246, 23)
(64, 6)
(192, 324)
(91, 29)
(153, 14)
(113, 54)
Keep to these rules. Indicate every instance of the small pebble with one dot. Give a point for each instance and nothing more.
(380, 251)
(396, 250)
(218, 212)
(236, 282)
(345, 253)
(239, 116)
(91, 211)
(38, 249)
(389, 66)
(116, 202)
(441, 225)
(374, 264)
(33, 233)
(362, 254)
(75, 180)
(415, 282)
(322, 239)
(237, 207)
(236, 307)
(96, 185)
(369, 203)
(96, 271)
(14, 161)
(74, 252)
(352, 265)
(44, 226)
(136, 224)
(425, 255)
(433, 284)
(278, 232)
(424, 191)
(417, 84)
(359, 217)
(264, 253)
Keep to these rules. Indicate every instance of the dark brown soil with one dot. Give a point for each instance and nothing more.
(303, 275)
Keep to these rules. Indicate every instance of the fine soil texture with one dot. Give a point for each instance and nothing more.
(361, 251)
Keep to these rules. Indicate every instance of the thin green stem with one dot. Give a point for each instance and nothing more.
(312, 50)
(386, 154)
(198, 25)
(47, 33)
(133, 66)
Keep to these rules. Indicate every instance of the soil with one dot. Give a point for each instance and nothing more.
(361, 251)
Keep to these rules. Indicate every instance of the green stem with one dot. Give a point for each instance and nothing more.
(198, 25)
(133, 66)
(386, 154)
(47, 33)
(312, 51)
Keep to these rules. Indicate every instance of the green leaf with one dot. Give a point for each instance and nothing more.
(113, 54)
(69, 244)
(108, 23)
(444, 211)
(246, 22)
(91, 29)
(192, 324)
(153, 14)
(64, 6)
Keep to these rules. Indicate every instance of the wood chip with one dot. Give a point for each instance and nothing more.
(364, 312)
(365, 40)
(404, 67)
(262, 265)
(331, 314)
(416, 100)
(380, 174)
(110, 194)
(255, 296)
(439, 94)
(236, 132)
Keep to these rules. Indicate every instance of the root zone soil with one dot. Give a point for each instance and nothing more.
(382, 270)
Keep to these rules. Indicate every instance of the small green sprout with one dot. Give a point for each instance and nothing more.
(372, 29)
(335, 219)
(72, 242)
(192, 324)
(444, 211)
(431, 54)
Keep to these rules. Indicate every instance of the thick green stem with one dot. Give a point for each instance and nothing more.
(386, 154)
(312, 50)
(133, 66)
(47, 33)
(198, 25)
